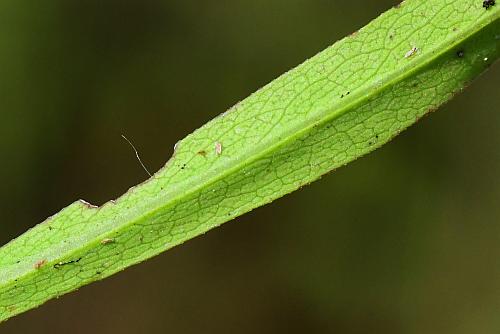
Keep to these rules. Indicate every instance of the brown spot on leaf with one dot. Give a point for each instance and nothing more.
(40, 264)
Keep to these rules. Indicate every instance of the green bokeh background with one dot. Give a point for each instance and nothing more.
(405, 240)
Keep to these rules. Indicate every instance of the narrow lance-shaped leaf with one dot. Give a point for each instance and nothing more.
(339, 105)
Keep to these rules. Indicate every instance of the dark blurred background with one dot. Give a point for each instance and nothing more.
(405, 240)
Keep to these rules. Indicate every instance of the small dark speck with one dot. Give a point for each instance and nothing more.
(460, 53)
(98, 273)
(488, 3)
(376, 136)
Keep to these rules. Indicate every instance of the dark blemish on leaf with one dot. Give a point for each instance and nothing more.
(460, 53)
(40, 264)
(376, 136)
(203, 153)
(60, 264)
(97, 272)
(488, 3)
(342, 96)
(107, 241)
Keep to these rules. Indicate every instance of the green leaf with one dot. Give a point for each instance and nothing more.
(339, 105)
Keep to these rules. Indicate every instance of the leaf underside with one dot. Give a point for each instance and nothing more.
(339, 105)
